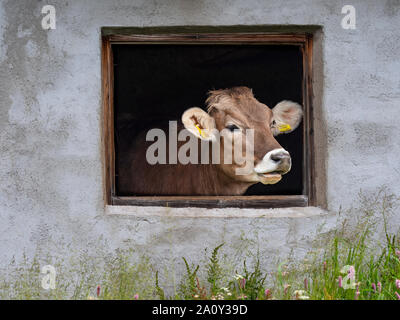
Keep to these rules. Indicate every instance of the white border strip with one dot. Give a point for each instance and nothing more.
(142, 211)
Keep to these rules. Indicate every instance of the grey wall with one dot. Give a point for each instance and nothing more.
(51, 195)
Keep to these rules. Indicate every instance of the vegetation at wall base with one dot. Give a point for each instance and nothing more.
(351, 264)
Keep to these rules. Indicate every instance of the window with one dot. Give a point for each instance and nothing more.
(155, 75)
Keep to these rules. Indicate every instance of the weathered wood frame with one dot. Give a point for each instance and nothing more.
(302, 39)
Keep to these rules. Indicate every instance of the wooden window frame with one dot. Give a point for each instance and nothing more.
(302, 39)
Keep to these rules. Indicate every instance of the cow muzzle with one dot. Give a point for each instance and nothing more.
(273, 165)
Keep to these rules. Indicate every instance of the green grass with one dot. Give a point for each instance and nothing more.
(355, 243)
(320, 278)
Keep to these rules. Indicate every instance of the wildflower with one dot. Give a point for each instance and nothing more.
(242, 283)
(225, 289)
(220, 296)
(340, 282)
(238, 276)
(229, 294)
(397, 283)
(352, 272)
(397, 295)
(242, 296)
(267, 293)
(351, 277)
(136, 296)
(301, 295)
(398, 253)
(284, 273)
(287, 286)
(306, 283)
(357, 291)
(379, 287)
(374, 287)
(196, 296)
(98, 290)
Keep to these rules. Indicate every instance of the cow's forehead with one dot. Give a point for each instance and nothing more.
(246, 109)
(252, 109)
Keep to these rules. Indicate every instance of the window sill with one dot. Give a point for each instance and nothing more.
(156, 211)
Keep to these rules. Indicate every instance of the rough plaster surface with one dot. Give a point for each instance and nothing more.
(50, 127)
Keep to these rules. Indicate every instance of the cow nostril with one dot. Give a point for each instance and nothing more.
(279, 157)
(275, 157)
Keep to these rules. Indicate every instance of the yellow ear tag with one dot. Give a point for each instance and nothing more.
(284, 127)
(200, 131)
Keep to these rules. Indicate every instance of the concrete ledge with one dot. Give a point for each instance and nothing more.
(293, 212)
(241, 28)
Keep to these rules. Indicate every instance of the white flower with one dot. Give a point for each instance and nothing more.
(301, 295)
(238, 276)
(299, 292)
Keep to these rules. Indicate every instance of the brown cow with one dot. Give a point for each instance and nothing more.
(235, 110)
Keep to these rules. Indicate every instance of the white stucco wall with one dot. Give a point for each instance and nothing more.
(51, 185)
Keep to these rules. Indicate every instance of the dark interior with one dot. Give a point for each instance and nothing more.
(156, 83)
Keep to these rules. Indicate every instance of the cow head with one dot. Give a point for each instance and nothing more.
(235, 110)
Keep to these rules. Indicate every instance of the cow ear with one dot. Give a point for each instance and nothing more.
(287, 116)
(200, 123)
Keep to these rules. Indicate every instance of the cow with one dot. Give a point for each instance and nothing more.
(233, 110)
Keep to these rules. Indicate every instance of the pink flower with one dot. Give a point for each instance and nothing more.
(267, 293)
(352, 273)
(136, 296)
(306, 283)
(242, 283)
(379, 287)
(357, 292)
(398, 253)
(397, 283)
(98, 290)
(397, 295)
(374, 287)
(340, 282)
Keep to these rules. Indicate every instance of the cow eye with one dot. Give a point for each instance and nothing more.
(232, 127)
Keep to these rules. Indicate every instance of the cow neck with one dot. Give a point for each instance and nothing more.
(213, 178)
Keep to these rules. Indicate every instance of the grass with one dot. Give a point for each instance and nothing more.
(353, 265)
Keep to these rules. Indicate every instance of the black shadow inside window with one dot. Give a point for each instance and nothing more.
(157, 83)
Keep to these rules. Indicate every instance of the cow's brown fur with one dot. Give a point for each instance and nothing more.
(138, 177)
